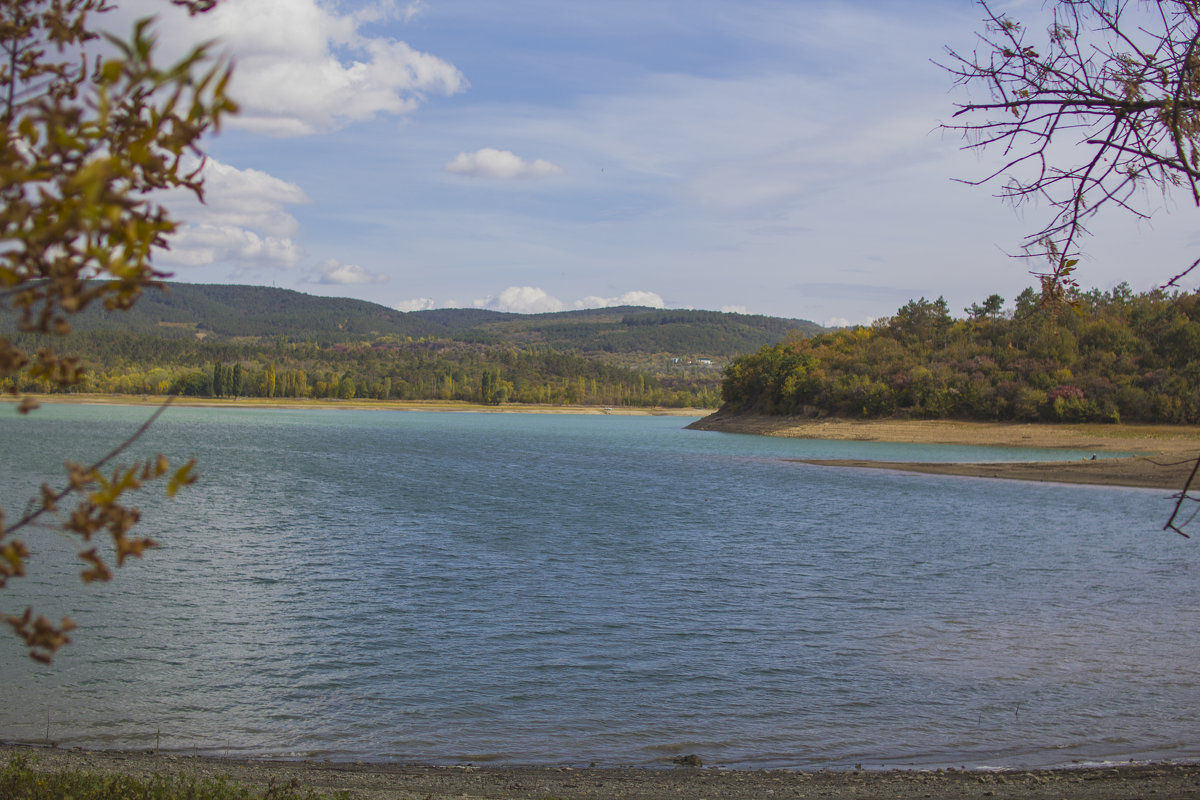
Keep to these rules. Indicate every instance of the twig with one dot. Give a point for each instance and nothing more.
(1183, 495)
(1168, 463)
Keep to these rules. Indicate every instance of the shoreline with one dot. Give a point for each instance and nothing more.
(358, 405)
(378, 781)
(1163, 454)
(1134, 473)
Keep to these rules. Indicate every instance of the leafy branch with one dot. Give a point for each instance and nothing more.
(99, 510)
(86, 147)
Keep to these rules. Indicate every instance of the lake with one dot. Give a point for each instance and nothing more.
(562, 589)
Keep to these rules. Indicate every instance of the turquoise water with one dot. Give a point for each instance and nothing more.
(573, 589)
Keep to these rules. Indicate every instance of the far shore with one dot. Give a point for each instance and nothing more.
(360, 404)
(380, 781)
(1152, 456)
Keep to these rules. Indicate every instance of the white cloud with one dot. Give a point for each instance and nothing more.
(412, 9)
(383, 10)
(634, 298)
(734, 309)
(492, 163)
(303, 66)
(416, 304)
(532, 300)
(199, 245)
(243, 220)
(842, 322)
(247, 198)
(522, 300)
(334, 272)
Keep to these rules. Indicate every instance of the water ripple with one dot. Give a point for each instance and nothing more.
(514, 589)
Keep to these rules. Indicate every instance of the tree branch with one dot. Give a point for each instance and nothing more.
(1183, 495)
(57, 497)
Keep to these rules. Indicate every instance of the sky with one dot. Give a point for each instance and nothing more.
(779, 157)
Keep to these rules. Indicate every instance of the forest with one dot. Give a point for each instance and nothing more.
(384, 369)
(1115, 356)
(252, 341)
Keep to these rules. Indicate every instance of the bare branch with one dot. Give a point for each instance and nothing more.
(1128, 84)
(1181, 497)
(1120, 78)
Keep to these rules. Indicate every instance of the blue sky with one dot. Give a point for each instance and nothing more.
(770, 157)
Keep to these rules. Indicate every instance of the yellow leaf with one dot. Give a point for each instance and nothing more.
(111, 71)
(182, 477)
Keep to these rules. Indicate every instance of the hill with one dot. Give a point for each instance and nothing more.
(203, 339)
(1102, 357)
(185, 309)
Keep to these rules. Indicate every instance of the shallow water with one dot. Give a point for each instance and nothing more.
(572, 589)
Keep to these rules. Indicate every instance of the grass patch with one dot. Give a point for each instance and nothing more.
(20, 781)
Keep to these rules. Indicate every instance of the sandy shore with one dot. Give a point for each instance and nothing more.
(1165, 454)
(411, 782)
(387, 405)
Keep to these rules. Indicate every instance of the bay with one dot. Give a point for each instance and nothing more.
(560, 589)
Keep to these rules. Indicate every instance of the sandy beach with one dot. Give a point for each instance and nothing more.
(388, 781)
(1163, 455)
(365, 404)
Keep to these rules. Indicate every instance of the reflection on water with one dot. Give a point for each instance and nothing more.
(521, 588)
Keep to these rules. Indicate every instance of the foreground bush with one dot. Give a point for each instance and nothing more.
(19, 781)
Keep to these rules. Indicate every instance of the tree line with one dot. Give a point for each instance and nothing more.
(1103, 356)
(387, 368)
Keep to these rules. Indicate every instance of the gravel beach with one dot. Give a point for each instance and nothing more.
(409, 782)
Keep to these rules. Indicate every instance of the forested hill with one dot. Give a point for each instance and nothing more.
(238, 341)
(258, 311)
(184, 309)
(1107, 356)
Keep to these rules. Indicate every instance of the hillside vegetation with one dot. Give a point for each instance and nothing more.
(208, 340)
(1115, 356)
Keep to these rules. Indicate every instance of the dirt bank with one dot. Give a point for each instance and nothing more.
(1165, 453)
